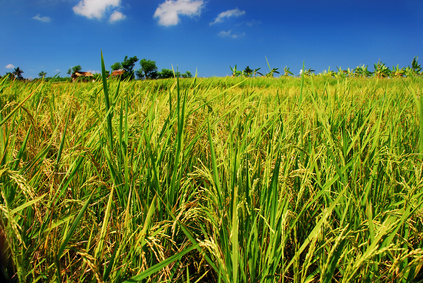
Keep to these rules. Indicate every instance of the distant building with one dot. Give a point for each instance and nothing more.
(85, 75)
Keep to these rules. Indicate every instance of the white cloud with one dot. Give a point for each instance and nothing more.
(95, 8)
(230, 34)
(169, 11)
(116, 16)
(227, 14)
(9, 66)
(250, 23)
(41, 19)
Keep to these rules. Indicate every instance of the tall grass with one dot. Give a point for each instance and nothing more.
(212, 180)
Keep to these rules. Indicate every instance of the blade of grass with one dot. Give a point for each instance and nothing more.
(107, 102)
(161, 265)
(19, 106)
(73, 227)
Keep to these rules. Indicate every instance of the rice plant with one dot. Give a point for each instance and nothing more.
(311, 179)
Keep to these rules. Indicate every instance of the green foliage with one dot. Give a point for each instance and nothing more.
(362, 71)
(397, 71)
(187, 74)
(248, 72)
(287, 72)
(42, 74)
(381, 71)
(18, 73)
(148, 69)
(74, 69)
(139, 73)
(272, 71)
(10, 76)
(235, 71)
(116, 66)
(415, 66)
(128, 65)
(256, 72)
(311, 179)
(165, 74)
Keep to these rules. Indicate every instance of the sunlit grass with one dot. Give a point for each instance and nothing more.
(213, 180)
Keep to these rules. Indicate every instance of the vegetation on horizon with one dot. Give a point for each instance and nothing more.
(149, 70)
(215, 180)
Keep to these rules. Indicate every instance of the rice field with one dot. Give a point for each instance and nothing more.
(308, 179)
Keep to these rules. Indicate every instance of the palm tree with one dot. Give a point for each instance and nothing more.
(308, 72)
(256, 71)
(42, 74)
(287, 72)
(341, 73)
(381, 71)
(397, 72)
(272, 70)
(235, 72)
(248, 72)
(18, 73)
(361, 71)
(415, 66)
(328, 73)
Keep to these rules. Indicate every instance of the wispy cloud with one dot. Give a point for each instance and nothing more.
(116, 16)
(41, 19)
(168, 12)
(98, 9)
(230, 34)
(227, 14)
(94, 72)
(9, 66)
(250, 23)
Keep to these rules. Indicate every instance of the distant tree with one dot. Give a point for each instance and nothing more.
(397, 71)
(248, 72)
(341, 74)
(256, 72)
(272, 71)
(18, 73)
(309, 72)
(116, 66)
(74, 69)
(149, 69)
(187, 74)
(139, 73)
(128, 65)
(381, 71)
(42, 74)
(415, 66)
(287, 72)
(235, 71)
(362, 71)
(165, 74)
(10, 75)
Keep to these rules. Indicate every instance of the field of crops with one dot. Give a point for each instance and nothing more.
(306, 179)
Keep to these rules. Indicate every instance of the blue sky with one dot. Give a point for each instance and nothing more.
(208, 35)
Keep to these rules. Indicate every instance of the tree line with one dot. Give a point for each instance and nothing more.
(380, 71)
(147, 71)
(150, 71)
